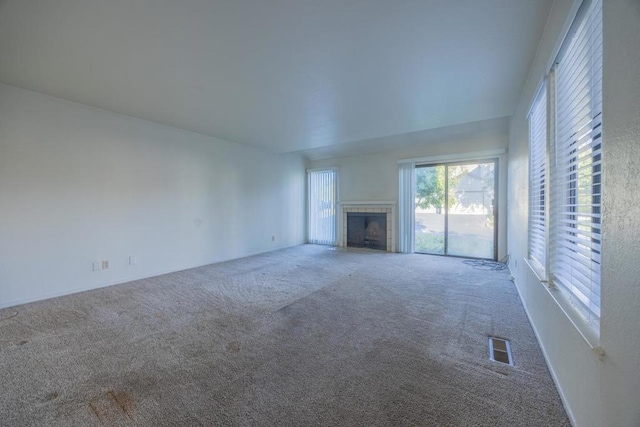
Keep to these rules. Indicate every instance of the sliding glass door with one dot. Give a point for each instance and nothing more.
(455, 209)
(430, 201)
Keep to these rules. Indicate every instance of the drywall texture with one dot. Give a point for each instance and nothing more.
(374, 177)
(596, 393)
(79, 185)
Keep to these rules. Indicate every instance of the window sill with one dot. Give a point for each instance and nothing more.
(537, 269)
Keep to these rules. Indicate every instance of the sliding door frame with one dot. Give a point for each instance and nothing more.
(495, 210)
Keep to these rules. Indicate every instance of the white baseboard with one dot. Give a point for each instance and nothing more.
(45, 296)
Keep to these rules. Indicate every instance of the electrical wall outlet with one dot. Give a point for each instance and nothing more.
(105, 264)
(273, 238)
(133, 260)
(97, 266)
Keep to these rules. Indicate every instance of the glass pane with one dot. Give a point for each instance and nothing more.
(430, 212)
(471, 200)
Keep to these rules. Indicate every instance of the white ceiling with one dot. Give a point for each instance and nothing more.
(288, 75)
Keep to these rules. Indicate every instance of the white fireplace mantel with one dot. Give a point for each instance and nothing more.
(372, 206)
(367, 202)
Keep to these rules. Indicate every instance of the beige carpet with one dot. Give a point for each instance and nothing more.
(307, 336)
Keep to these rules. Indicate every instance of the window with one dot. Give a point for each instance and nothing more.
(565, 229)
(576, 179)
(538, 181)
(322, 193)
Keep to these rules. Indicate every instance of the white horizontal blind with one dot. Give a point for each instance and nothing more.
(322, 206)
(576, 204)
(538, 179)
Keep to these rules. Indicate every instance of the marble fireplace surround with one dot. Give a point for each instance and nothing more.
(387, 207)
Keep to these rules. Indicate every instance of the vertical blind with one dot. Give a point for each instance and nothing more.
(537, 179)
(322, 206)
(406, 206)
(576, 179)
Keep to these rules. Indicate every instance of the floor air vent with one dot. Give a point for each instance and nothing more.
(500, 351)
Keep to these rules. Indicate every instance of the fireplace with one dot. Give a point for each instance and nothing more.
(368, 225)
(367, 230)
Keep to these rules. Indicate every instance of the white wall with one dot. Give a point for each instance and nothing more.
(78, 185)
(372, 177)
(596, 393)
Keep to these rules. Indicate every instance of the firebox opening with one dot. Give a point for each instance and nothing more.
(367, 230)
